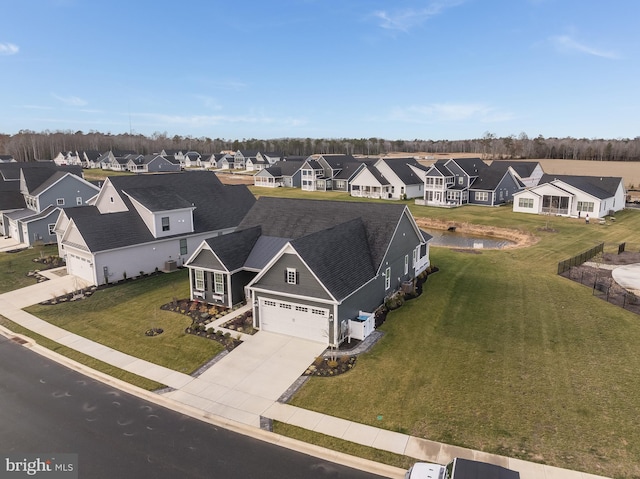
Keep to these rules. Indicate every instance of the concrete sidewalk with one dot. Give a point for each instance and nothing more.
(244, 386)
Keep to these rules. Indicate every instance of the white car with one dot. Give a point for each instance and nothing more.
(425, 470)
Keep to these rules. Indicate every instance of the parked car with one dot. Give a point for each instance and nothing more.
(460, 469)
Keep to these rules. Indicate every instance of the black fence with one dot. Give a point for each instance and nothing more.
(567, 264)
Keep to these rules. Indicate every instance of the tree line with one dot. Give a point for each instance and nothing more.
(27, 145)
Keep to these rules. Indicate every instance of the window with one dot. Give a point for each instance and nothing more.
(460, 180)
(415, 256)
(585, 206)
(111, 199)
(51, 228)
(525, 202)
(218, 283)
(285, 305)
(291, 276)
(199, 277)
(387, 278)
(79, 200)
(482, 196)
(60, 202)
(165, 223)
(269, 303)
(406, 264)
(318, 311)
(183, 246)
(302, 309)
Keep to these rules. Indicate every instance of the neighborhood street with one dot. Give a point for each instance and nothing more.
(48, 408)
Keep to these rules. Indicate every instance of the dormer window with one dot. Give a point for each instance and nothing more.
(165, 223)
(60, 202)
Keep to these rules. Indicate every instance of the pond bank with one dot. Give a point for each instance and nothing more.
(520, 239)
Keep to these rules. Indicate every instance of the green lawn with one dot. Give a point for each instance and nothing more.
(119, 316)
(501, 354)
(89, 361)
(15, 266)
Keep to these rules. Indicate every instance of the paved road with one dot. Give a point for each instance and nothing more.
(47, 408)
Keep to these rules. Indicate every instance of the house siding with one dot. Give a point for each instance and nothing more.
(273, 279)
(38, 230)
(145, 258)
(70, 187)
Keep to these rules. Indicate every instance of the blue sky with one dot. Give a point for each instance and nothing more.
(395, 69)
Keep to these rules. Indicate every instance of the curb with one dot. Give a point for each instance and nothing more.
(256, 433)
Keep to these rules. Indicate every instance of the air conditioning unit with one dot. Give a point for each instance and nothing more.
(170, 266)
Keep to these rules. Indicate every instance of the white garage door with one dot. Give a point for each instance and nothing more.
(293, 319)
(80, 267)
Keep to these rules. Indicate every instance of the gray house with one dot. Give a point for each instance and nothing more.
(284, 173)
(144, 223)
(44, 190)
(152, 164)
(308, 267)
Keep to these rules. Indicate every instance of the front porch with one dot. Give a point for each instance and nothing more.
(376, 192)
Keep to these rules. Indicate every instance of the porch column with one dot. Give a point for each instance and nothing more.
(229, 292)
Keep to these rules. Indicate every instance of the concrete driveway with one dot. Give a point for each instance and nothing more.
(248, 380)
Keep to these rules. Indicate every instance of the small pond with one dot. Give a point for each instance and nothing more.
(454, 239)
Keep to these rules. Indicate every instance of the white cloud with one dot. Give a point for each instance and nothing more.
(450, 112)
(404, 20)
(566, 43)
(70, 100)
(8, 49)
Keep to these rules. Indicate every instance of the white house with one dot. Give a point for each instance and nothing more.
(568, 195)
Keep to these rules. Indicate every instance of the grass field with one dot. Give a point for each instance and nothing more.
(15, 266)
(119, 316)
(501, 354)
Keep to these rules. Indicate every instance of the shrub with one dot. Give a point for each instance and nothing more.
(318, 361)
(332, 363)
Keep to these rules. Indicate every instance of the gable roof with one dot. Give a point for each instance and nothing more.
(160, 198)
(524, 169)
(217, 207)
(296, 218)
(471, 166)
(401, 168)
(489, 179)
(339, 256)
(37, 180)
(233, 249)
(601, 187)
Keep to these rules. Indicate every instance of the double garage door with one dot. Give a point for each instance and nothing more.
(294, 319)
(80, 267)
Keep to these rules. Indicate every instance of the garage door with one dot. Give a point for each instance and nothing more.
(294, 319)
(80, 267)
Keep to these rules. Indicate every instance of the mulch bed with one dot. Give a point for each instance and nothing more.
(602, 283)
(328, 367)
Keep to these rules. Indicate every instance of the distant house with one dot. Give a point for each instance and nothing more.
(570, 195)
(241, 156)
(311, 267)
(191, 159)
(44, 191)
(494, 186)
(89, 158)
(448, 182)
(151, 164)
(144, 223)
(390, 178)
(284, 173)
(528, 172)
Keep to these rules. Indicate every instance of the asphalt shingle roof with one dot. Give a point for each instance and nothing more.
(295, 218)
(218, 207)
(234, 249)
(400, 166)
(599, 186)
(339, 256)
